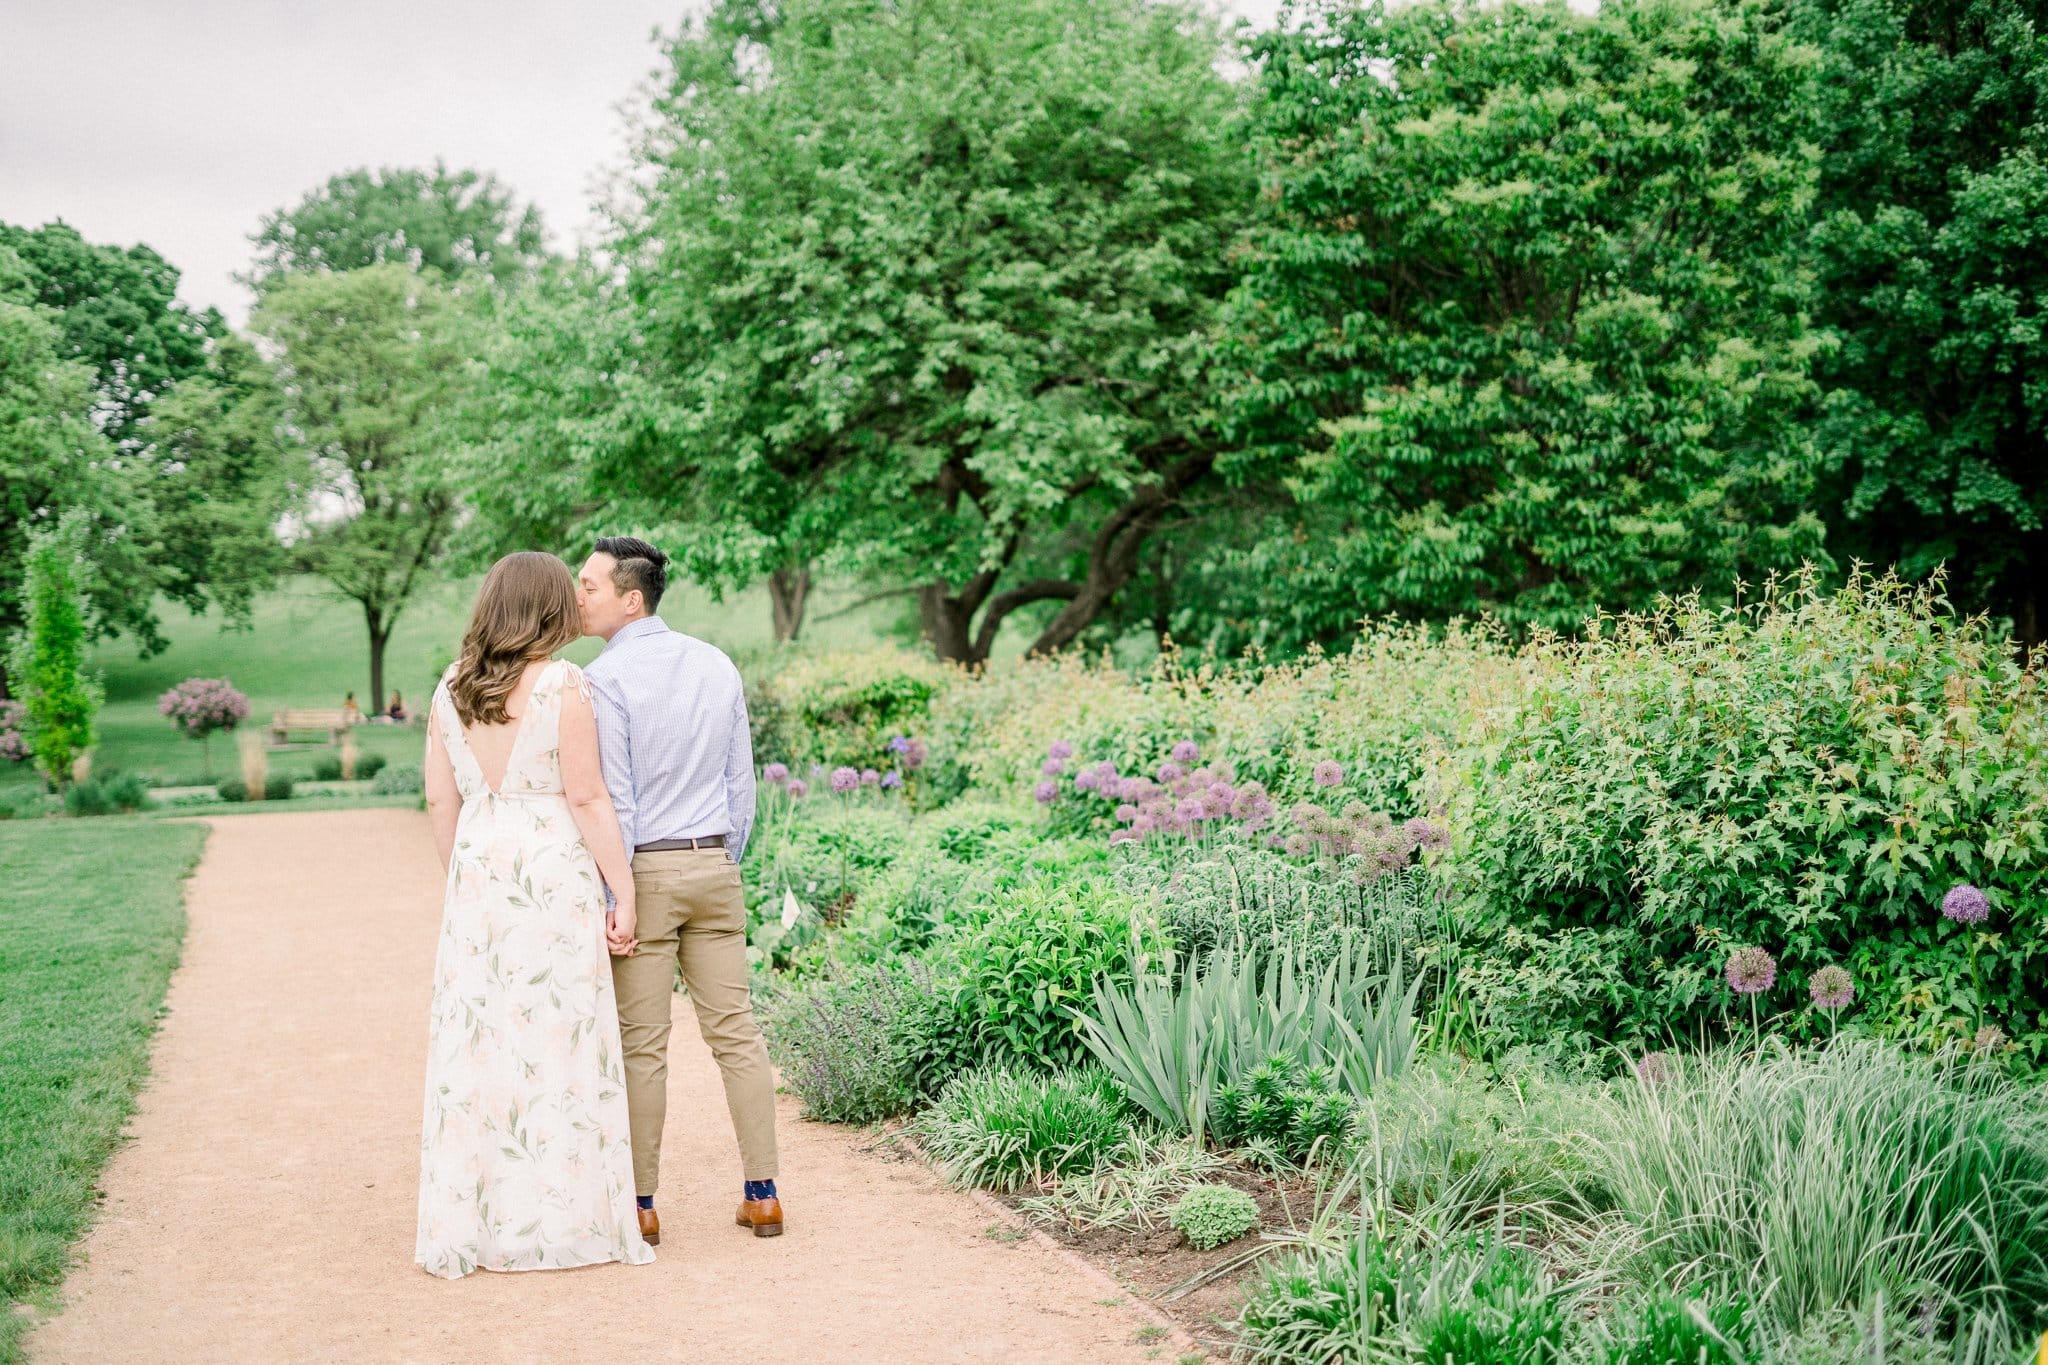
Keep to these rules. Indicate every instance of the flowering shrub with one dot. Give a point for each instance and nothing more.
(841, 708)
(13, 721)
(1812, 774)
(200, 706)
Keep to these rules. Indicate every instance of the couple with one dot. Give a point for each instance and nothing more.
(552, 791)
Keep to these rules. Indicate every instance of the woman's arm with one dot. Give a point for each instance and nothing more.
(591, 805)
(444, 802)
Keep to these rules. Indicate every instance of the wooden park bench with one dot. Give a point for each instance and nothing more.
(286, 723)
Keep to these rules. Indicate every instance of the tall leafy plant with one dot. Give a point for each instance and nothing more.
(49, 655)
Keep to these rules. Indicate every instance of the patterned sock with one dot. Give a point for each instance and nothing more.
(760, 1189)
(645, 1201)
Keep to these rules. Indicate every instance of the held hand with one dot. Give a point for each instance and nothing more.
(619, 926)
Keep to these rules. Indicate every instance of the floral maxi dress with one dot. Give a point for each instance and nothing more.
(525, 1159)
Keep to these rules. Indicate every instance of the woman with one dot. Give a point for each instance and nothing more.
(395, 713)
(525, 1161)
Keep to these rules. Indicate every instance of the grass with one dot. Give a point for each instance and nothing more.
(87, 943)
(307, 648)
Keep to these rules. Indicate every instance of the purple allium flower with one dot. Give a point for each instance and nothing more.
(1966, 905)
(1126, 812)
(891, 780)
(1052, 767)
(899, 744)
(844, 780)
(1752, 971)
(869, 777)
(1046, 792)
(1656, 1068)
(1124, 836)
(1087, 779)
(1060, 749)
(1190, 809)
(775, 773)
(1329, 773)
(1299, 845)
(797, 788)
(1171, 771)
(1990, 1038)
(1187, 751)
(1831, 987)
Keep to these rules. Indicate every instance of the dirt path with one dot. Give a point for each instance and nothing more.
(265, 1209)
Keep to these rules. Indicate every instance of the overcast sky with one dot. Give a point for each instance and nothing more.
(181, 122)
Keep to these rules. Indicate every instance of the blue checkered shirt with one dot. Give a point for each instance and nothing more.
(672, 735)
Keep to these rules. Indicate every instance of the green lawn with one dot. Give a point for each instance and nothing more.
(87, 943)
(308, 648)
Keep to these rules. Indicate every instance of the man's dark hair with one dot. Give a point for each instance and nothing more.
(640, 566)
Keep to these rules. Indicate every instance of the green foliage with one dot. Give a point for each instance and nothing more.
(1285, 1107)
(988, 246)
(1676, 1332)
(1133, 1190)
(840, 708)
(1929, 250)
(1020, 974)
(454, 223)
(48, 658)
(370, 765)
(1174, 1046)
(403, 780)
(277, 787)
(234, 789)
(1811, 1181)
(327, 768)
(1812, 773)
(106, 794)
(1210, 1215)
(1475, 1301)
(1523, 324)
(828, 852)
(1004, 1129)
(843, 1047)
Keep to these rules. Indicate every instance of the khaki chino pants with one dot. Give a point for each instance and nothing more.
(692, 919)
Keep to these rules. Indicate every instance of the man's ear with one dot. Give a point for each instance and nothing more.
(636, 601)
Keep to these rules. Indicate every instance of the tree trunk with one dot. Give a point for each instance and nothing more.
(947, 620)
(789, 589)
(380, 635)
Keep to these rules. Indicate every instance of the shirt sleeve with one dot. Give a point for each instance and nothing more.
(614, 751)
(739, 779)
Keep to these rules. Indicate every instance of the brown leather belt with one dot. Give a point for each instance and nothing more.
(666, 845)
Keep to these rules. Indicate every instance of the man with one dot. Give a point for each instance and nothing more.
(679, 762)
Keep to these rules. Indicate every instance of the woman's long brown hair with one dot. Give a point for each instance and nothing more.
(526, 610)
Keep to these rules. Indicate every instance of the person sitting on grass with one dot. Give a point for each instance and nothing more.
(395, 713)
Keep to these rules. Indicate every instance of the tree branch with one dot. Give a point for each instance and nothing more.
(1003, 603)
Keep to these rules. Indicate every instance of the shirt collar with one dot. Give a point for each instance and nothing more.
(633, 630)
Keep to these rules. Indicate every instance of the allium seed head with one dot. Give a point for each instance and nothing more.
(1990, 1038)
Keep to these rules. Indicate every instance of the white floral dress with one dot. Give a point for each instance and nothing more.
(525, 1158)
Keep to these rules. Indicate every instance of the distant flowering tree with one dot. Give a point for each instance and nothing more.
(199, 707)
(13, 721)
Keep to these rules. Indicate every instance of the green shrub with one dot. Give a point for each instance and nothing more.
(108, 794)
(327, 768)
(1003, 1130)
(1812, 774)
(1210, 1215)
(369, 765)
(404, 780)
(1020, 974)
(1134, 1188)
(278, 787)
(48, 656)
(839, 1043)
(826, 852)
(1286, 1106)
(1813, 1181)
(841, 707)
(234, 789)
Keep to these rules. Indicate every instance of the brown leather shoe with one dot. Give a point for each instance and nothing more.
(764, 1216)
(650, 1227)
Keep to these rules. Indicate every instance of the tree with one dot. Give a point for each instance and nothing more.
(55, 463)
(118, 312)
(921, 293)
(49, 654)
(371, 363)
(452, 222)
(1523, 321)
(1932, 255)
